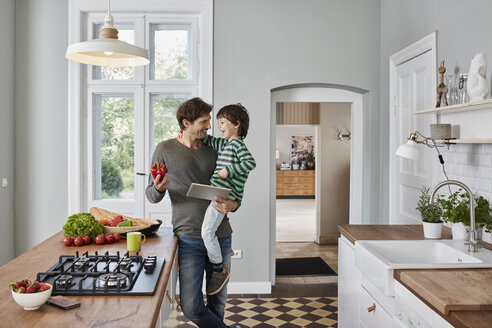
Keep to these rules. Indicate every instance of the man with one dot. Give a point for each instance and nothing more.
(188, 160)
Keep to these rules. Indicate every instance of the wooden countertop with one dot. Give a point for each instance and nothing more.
(421, 282)
(355, 232)
(95, 311)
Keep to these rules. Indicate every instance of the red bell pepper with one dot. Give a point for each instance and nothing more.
(158, 168)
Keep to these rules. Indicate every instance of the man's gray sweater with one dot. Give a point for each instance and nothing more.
(185, 166)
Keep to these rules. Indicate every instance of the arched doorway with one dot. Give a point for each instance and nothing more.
(326, 93)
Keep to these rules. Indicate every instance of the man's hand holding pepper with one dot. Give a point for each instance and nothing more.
(161, 183)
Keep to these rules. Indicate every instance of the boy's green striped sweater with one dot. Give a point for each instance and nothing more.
(235, 157)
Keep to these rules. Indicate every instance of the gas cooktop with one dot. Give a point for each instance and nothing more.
(100, 275)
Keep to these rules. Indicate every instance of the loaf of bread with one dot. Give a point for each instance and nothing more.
(100, 213)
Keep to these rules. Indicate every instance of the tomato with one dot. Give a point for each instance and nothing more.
(67, 241)
(87, 240)
(44, 287)
(100, 239)
(78, 241)
(109, 239)
(117, 237)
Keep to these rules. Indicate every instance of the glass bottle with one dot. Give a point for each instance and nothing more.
(463, 97)
(452, 94)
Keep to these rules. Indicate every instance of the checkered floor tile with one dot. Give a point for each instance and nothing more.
(290, 312)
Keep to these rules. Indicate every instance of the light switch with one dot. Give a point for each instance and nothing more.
(5, 182)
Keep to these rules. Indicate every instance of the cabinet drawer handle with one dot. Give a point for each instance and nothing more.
(169, 297)
(371, 308)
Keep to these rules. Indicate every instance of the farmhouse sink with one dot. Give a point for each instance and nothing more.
(377, 259)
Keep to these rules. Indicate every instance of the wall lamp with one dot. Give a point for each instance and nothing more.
(410, 149)
(341, 136)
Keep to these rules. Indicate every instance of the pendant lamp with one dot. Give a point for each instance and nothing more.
(107, 50)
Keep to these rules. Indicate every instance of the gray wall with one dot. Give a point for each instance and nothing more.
(260, 45)
(7, 14)
(463, 29)
(41, 98)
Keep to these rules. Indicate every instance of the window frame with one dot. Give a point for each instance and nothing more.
(139, 33)
(171, 19)
(79, 80)
(126, 204)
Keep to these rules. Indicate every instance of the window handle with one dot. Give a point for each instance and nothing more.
(141, 173)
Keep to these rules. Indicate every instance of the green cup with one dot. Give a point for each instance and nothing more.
(134, 241)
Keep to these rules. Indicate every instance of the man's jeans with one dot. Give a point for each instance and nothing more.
(193, 261)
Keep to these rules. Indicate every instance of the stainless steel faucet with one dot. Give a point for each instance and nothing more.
(472, 242)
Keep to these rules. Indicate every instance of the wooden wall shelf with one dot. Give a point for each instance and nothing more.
(479, 105)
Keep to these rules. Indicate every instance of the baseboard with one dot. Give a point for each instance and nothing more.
(328, 239)
(257, 287)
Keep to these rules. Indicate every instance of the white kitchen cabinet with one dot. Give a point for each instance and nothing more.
(412, 312)
(372, 314)
(348, 285)
(169, 300)
(362, 304)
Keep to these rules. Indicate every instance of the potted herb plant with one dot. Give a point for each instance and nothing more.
(456, 209)
(310, 160)
(430, 214)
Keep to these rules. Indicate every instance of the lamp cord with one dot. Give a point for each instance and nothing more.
(441, 160)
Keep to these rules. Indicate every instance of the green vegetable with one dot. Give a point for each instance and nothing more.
(125, 223)
(82, 224)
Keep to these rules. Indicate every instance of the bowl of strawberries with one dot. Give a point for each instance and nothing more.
(30, 294)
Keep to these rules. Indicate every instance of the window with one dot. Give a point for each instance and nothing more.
(170, 52)
(123, 113)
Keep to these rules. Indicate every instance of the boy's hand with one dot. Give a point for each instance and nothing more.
(161, 183)
(223, 174)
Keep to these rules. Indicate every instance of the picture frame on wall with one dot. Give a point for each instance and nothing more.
(301, 146)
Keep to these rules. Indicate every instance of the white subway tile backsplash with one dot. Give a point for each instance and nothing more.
(471, 164)
(487, 149)
(484, 160)
(483, 185)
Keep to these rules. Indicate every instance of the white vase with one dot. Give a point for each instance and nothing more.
(486, 236)
(432, 230)
(460, 231)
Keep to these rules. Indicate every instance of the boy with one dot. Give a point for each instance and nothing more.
(233, 165)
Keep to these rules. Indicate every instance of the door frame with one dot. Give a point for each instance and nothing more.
(426, 44)
(324, 92)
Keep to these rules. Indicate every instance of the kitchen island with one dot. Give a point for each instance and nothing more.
(430, 289)
(94, 311)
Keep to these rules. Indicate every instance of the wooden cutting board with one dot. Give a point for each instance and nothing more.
(451, 290)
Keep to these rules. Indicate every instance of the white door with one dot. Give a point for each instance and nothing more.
(412, 88)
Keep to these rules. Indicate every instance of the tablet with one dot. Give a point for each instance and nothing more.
(207, 192)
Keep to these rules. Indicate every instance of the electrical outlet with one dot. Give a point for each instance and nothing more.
(237, 254)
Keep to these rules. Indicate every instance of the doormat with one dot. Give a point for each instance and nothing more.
(303, 266)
